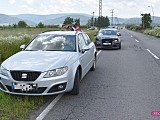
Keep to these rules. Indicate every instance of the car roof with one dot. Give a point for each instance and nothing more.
(61, 32)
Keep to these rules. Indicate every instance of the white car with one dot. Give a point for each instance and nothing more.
(52, 63)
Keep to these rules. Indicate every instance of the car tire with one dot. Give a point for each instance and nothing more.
(119, 46)
(99, 48)
(75, 90)
(94, 65)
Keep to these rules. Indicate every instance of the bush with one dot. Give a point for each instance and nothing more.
(22, 24)
(153, 32)
(9, 48)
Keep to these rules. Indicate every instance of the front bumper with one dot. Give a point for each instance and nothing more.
(108, 45)
(41, 86)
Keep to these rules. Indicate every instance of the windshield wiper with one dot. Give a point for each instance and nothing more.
(53, 50)
(34, 50)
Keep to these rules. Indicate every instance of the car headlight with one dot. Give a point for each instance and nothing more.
(56, 72)
(115, 40)
(3, 71)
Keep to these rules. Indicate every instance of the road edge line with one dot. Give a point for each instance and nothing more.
(49, 107)
(137, 40)
(156, 57)
(99, 52)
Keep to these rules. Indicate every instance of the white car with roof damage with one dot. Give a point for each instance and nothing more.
(53, 62)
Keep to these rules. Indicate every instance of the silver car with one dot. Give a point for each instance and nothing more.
(108, 39)
(53, 62)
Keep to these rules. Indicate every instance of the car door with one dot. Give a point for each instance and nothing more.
(84, 56)
(90, 44)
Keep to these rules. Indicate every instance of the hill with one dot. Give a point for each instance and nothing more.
(9, 20)
(50, 19)
(60, 20)
(53, 18)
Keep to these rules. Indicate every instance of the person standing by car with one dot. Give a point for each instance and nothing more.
(75, 27)
(69, 28)
(63, 28)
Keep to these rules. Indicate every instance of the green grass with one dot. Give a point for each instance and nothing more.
(14, 107)
(91, 34)
(8, 48)
(153, 32)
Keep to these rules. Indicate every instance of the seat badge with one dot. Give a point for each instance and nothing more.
(24, 75)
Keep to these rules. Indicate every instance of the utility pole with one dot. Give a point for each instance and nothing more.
(112, 16)
(93, 19)
(100, 8)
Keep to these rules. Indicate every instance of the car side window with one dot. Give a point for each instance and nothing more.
(87, 39)
(81, 42)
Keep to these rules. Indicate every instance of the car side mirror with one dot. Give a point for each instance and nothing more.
(85, 48)
(23, 46)
(118, 34)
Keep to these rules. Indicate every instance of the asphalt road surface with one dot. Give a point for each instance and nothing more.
(124, 86)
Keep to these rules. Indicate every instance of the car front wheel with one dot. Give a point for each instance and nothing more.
(75, 90)
(94, 64)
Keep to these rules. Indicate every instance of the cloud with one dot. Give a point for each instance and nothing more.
(12, 1)
(27, 9)
(153, 1)
(29, 1)
(123, 8)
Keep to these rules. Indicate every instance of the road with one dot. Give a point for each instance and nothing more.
(124, 86)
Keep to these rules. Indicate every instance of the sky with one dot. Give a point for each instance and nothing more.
(121, 8)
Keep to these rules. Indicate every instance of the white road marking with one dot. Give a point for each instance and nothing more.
(99, 52)
(49, 107)
(153, 54)
(52, 104)
(136, 40)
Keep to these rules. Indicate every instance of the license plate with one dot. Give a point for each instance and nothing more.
(106, 43)
(24, 86)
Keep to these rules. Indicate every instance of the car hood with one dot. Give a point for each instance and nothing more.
(38, 60)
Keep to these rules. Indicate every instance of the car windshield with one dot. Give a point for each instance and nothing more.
(108, 32)
(53, 43)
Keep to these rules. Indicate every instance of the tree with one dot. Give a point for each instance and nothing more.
(95, 21)
(146, 20)
(77, 21)
(68, 20)
(40, 25)
(14, 26)
(102, 22)
(89, 23)
(99, 22)
(22, 24)
(107, 21)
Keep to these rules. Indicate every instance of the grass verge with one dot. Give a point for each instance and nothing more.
(153, 32)
(14, 107)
